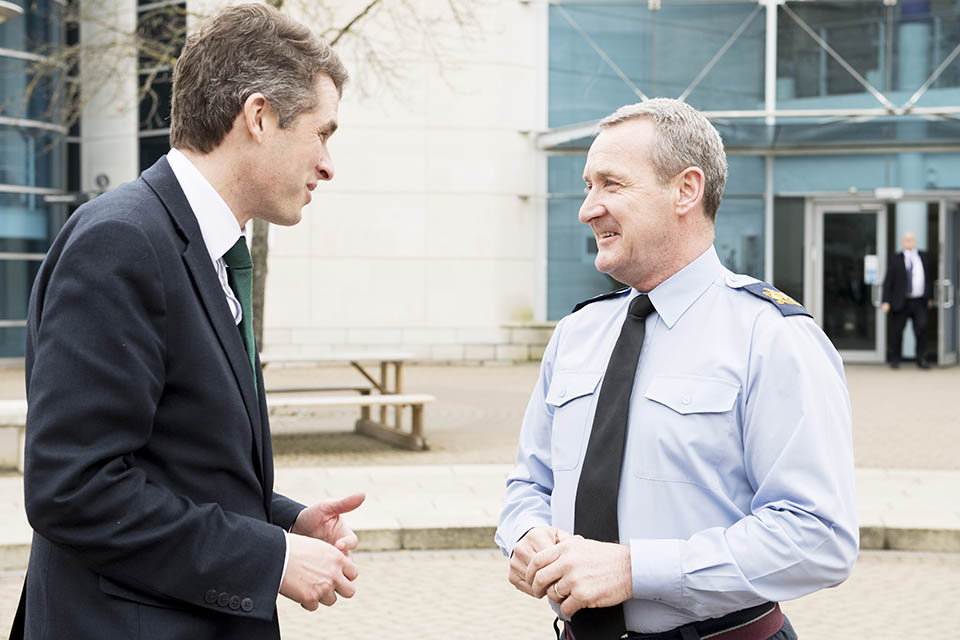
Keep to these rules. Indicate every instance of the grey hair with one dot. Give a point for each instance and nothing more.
(685, 138)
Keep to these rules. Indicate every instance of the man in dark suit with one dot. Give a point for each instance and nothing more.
(908, 293)
(148, 470)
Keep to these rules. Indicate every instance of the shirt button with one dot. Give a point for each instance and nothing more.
(563, 392)
(686, 399)
(246, 604)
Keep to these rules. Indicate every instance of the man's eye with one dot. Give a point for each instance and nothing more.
(586, 188)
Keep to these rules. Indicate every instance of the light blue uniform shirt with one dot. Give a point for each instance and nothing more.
(737, 485)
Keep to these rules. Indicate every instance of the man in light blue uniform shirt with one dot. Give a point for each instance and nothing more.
(736, 487)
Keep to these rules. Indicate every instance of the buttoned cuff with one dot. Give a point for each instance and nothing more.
(655, 565)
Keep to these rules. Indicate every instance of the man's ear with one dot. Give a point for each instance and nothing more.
(690, 185)
(253, 115)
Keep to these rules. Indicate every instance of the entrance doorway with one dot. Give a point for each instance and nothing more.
(848, 243)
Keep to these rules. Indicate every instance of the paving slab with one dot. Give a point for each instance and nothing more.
(456, 506)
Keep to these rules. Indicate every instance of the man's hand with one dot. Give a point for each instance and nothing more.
(316, 573)
(578, 573)
(535, 540)
(885, 306)
(323, 522)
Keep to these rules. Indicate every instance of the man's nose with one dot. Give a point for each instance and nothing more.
(325, 167)
(590, 210)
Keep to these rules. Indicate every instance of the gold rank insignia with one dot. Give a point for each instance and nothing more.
(779, 297)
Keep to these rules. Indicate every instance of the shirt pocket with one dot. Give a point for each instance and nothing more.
(572, 395)
(686, 428)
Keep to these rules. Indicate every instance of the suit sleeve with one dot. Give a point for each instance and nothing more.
(888, 282)
(98, 322)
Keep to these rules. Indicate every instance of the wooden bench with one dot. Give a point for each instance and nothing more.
(394, 434)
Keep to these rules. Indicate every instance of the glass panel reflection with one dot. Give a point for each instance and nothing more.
(849, 317)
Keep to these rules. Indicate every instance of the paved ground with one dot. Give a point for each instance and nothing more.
(904, 419)
(464, 594)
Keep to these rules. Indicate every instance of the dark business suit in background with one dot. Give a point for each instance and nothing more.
(149, 470)
(903, 306)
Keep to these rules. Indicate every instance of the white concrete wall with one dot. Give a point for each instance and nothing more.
(108, 73)
(427, 238)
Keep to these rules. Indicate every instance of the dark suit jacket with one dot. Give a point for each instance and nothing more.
(895, 282)
(149, 472)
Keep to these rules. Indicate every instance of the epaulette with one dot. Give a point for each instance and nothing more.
(784, 303)
(603, 296)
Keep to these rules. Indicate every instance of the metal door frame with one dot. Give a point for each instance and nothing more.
(813, 281)
(945, 289)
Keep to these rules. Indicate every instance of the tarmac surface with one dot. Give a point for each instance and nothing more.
(440, 507)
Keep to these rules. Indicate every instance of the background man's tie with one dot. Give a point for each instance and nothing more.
(240, 275)
(909, 275)
(595, 513)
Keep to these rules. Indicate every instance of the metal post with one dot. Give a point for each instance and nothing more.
(768, 219)
(770, 71)
(383, 389)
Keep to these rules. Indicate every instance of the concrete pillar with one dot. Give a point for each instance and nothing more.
(108, 71)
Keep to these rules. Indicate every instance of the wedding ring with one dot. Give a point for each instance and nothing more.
(557, 591)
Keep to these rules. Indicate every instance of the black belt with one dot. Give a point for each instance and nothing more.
(755, 623)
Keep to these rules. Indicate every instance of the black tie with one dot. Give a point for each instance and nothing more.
(595, 513)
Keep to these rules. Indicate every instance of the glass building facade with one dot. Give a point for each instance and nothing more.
(33, 157)
(819, 104)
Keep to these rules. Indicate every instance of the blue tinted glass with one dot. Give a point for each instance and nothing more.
(12, 341)
(29, 92)
(27, 223)
(745, 176)
(17, 276)
(571, 250)
(32, 157)
(739, 235)
(38, 30)
(602, 54)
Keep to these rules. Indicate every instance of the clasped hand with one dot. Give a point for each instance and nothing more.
(571, 570)
(319, 567)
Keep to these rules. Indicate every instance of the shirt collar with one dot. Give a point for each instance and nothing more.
(218, 225)
(672, 297)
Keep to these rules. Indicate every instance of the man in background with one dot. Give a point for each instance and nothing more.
(908, 293)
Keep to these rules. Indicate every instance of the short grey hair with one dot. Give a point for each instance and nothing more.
(684, 138)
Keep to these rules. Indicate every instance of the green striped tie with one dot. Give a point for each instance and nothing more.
(240, 274)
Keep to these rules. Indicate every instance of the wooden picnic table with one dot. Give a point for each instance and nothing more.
(375, 367)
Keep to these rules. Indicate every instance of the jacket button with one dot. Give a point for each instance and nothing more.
(563, 392)
(246, 604)
(235, 602)
(223, 599)
(210, 596)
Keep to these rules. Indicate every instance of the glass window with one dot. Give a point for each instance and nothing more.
(155, 100)
(27, 91)
(31, 157)
(38, 30)
(151, 148)
(28, 224)
(788, 244)
(640, 44)
(739, 235)
(13, 340)
(162, 30)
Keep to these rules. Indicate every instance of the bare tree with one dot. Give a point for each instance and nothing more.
(372, 31)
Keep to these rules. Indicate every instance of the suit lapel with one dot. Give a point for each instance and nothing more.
(197, 259)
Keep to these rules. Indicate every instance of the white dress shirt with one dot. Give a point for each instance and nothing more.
(911, 260)
(220, 231)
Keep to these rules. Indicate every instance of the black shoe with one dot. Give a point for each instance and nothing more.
(894, 365)
(923, 364)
